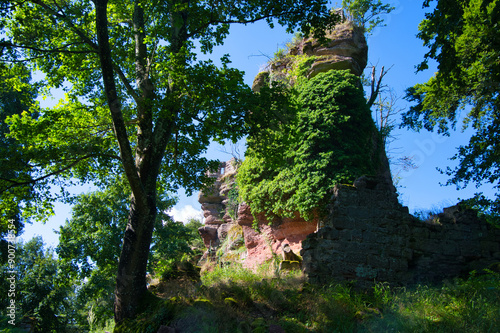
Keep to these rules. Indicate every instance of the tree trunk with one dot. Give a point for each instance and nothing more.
(131, 277)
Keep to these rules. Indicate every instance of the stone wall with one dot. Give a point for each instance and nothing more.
(368, 236)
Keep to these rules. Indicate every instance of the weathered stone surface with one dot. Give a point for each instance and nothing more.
(345, 48)
(260, 245)
(209, 235)
(368, 236)
(288, 265)
(260, 80)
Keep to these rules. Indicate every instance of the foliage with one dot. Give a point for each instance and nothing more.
(89, 246)
(193, 224)
(366, 13)
(290, 167)
(463, 38)
(43, 294)
(16, 96)
(233, 201)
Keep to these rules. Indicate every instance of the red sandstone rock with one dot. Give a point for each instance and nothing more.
(259, 245)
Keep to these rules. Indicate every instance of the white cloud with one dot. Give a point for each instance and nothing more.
(185, 213)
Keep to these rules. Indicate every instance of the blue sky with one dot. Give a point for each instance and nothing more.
(395, 45)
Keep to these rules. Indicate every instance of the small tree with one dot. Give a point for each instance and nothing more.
(366, 13)
(43, 293)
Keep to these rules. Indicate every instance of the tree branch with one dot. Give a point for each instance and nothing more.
(33, 181)
(57, 50)
(376, 85)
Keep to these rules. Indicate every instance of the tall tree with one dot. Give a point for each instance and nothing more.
(462, 36)
(136, 97)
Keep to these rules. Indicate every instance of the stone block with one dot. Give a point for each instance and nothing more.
(378, 261)
(356, 257)
(343, 223)
(383, 239)
(345, 235)
(469, 250)
(370, 236)
(366, 272)
(400, 265)
(288, 265)
(450, 248)
(328, 233)
(356, 235)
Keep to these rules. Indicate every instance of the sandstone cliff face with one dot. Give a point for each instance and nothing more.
(271, 237)
(232, 236)
(345, 48)
(215, 202)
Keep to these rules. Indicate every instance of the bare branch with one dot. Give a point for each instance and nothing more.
(376, 85)
(56, 50)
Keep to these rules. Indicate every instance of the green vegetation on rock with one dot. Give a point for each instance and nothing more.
(291, 166)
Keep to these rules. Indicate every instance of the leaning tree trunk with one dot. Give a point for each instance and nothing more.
(131, 277)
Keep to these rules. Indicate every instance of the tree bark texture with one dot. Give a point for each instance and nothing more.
(131, 278)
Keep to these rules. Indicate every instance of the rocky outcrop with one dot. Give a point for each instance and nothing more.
(344, 48)
(216, 204)
(264, 239)
(225, 233)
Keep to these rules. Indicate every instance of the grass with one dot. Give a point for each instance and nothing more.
(233, 299)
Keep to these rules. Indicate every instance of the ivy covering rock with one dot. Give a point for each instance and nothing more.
(327, 139)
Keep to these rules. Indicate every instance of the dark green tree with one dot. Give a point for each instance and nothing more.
(43, 295)
(136, 97)
(16, 96)
(462, 37)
